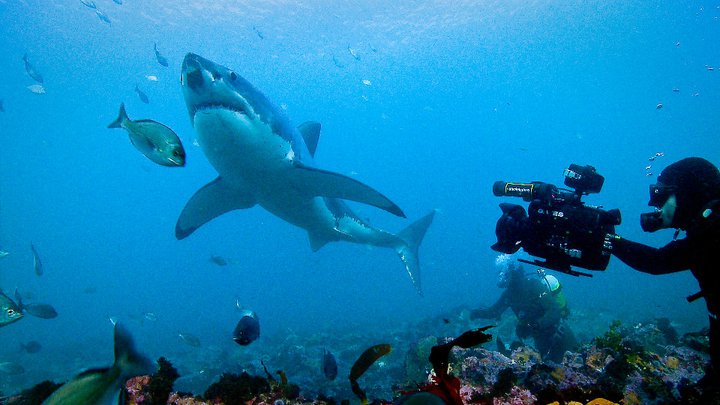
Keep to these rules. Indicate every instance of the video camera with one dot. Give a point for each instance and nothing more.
(558, 226)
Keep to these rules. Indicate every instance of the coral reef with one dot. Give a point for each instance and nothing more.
(645, 363)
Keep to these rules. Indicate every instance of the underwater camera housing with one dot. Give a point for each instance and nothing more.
(558, 226)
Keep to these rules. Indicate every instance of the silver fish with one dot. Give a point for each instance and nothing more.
(219, 260)
(88, 4)
(258, 32)
(189, 339)
(8, 367)
(96, 386)
(102, 16)
(155, 140)
(37, 263)
(36, 88)
(3, 253)
(31, 347)
(31, 71)
(44, 311)
(142, 96)
(9, 310)
(161, 59)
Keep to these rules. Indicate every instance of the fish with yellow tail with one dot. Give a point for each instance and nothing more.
(103, 385)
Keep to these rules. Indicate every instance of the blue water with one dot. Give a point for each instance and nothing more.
(456, 96)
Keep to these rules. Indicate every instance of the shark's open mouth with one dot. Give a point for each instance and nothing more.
(218, 106)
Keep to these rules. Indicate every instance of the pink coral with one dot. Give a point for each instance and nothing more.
(135, 388)
(517, 396)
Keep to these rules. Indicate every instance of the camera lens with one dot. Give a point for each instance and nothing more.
(651, 221)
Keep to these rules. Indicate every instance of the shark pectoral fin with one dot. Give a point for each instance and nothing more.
(310, 131)
(317, 241)
(324, 183)
(211, 201)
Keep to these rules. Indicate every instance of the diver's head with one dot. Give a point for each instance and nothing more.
(682, 191)
(509, 273)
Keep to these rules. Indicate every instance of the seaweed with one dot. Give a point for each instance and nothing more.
(37, 394)
(161, 383)
(234, 389)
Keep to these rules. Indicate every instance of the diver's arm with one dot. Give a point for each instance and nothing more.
(494, 311)
(669, 259)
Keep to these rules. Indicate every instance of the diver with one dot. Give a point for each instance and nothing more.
(540, 307)
(687, 197)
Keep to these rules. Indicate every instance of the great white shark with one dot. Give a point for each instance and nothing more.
(262, 159)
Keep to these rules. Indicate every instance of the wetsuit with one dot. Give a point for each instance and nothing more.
(540, 313)
(697, 252)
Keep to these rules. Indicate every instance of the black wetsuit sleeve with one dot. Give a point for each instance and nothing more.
(671, 258)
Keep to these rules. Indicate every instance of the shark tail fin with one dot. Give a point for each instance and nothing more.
(122, 116)
(412, 237)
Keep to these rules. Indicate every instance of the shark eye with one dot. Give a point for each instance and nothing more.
(233, 76)
(10, 312)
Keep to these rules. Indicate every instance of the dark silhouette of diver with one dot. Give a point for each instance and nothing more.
(687, 196)
(539, 304)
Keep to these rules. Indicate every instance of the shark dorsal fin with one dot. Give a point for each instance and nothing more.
(310, 131)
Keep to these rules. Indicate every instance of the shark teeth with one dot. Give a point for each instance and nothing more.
(217, 106)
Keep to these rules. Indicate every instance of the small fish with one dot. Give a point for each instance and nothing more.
(8, 367)
(89, 290)
(143, 97)
(3, 253)
(9, 310)
(658, 106)
(219, 260)
(150, 316)
(43, 311)
(189, 339)
(31, 347)
(366, 359)
(31, 71)
(353, 52)
(676, 90)
(367, 82)
(98, 385)
(37, 263)
(161, 59)
(247, 329)
(258, 32)
(337, 62)
(36, 88)
(88, 4)
(117, 1)
(102, 16)
(329, 365)
(153, 139)
(152, 78)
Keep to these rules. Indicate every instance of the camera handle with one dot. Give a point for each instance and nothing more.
(567, 270)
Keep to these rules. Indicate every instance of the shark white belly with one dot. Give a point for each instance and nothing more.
(262, 160)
